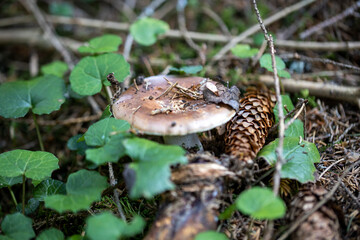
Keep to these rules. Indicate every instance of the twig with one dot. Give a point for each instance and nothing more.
(328, 168)
(256, 27)
(113, 182)
(208, 11)
(322, 60)
(330, 21)
(346, 132)
(350, 194)
(167, 90)
(295, 116)
(318, 205)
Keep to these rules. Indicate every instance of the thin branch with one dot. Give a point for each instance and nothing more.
(356, 200)
(113, 182)
(319, 204)
(255, 28)
(208, 11)
(331, 21)
(295, 116)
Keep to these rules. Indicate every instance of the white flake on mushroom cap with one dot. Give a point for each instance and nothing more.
(173, 115)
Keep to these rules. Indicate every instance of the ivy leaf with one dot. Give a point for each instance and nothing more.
(48, 187)
(42, 95)
(187, 69)
(57, 68)
(107, 226)
(300, 158)
(296, 129)
(151, 166)
(9, 181)
(213, 235)
(90, 73)
(260, 203)
(17, 227)
(30, 207)
(244, 51)
(110, 152)
(83, 188)
(102, 44)
(51, 234)
(77, 144)
(35, 165)
(265, 61)
(146, 30)
(98, 133)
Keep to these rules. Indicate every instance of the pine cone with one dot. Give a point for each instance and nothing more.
(247, 131)
(322, 224)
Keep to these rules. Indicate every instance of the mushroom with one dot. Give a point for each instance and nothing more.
(172, 107)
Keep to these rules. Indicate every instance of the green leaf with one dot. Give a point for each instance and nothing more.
(51, 234)
(102, 44)
(265, 61)
(112, 151)
(259, 38)
(42, 95)
(35, 165)
(152, 166)
(57, 68)
(83, 188)
(75, 237)
(17, 227)
(260, 203)
(61, 9)
(30, 207)
(286, 101)
(107, 226)
(244, 51)
(213, 235)
(299, 157)
(106, 113)
(146, 30)
(98, 133)
(9, 181)
(90, 73)
(186, 69)
(75, 144)
(49, 187)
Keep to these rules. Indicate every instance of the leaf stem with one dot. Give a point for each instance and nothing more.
(38, 132)
(13, 196)
(23, 194)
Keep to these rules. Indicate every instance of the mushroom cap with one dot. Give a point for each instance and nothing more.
(151, 111)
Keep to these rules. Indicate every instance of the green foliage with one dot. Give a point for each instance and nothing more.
(244, 51)
(57, 68)
(299, 156)
(42, 95)
(260, 203)
(9, 181)
(259, 38)
(265, 61)
(102, 44)
(76, 143)
(151, 163)
(186, 69)
(48, 187)
(35, 165)
(146, 30)
(17, 227)
(61, 9)
(213, 235)
(107, 226)
(30, 207)
(296, 129)
(90, 73)
(51, 234)
(82, 188)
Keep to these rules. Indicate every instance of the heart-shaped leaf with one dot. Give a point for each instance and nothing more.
(186, 69)
(213, 235)
(244, 51)
(51, 234)
(82, 188)
(146, 30)
(9, 181)
(151, 166)
(90, 73)
(102, 44)
(260, 203)
(35, 165)
(299, 157)
(57, 68)
(49, 187)
(42, 95)
(265, 61)
(98, 133)
(77, 144)
(107, 226)
(17, 227)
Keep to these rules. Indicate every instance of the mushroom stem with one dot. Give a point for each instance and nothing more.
(189, 141)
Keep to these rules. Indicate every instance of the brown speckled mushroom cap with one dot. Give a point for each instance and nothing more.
(151, 111)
